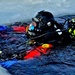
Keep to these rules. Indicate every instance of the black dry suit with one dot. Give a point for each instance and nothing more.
(47, 29)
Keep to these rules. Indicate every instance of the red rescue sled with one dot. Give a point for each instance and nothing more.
(38, 51)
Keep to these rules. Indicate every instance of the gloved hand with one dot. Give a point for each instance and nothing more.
(9, 63)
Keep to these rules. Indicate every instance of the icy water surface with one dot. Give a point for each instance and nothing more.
(17, 10)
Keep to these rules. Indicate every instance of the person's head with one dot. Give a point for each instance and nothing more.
(34, 23)
(43, 19)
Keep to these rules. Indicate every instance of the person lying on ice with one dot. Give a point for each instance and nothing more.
(45, 29)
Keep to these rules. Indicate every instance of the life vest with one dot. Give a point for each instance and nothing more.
(38, 51)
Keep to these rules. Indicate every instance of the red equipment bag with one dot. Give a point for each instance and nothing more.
(38, 51)
(20, 28)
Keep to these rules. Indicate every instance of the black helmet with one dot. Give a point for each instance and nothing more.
(44, 19)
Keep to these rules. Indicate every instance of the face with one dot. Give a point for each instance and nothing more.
(34, 23)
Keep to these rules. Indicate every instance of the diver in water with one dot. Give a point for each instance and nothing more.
(45, 28)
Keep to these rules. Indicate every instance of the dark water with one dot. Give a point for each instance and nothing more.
(60, 61)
